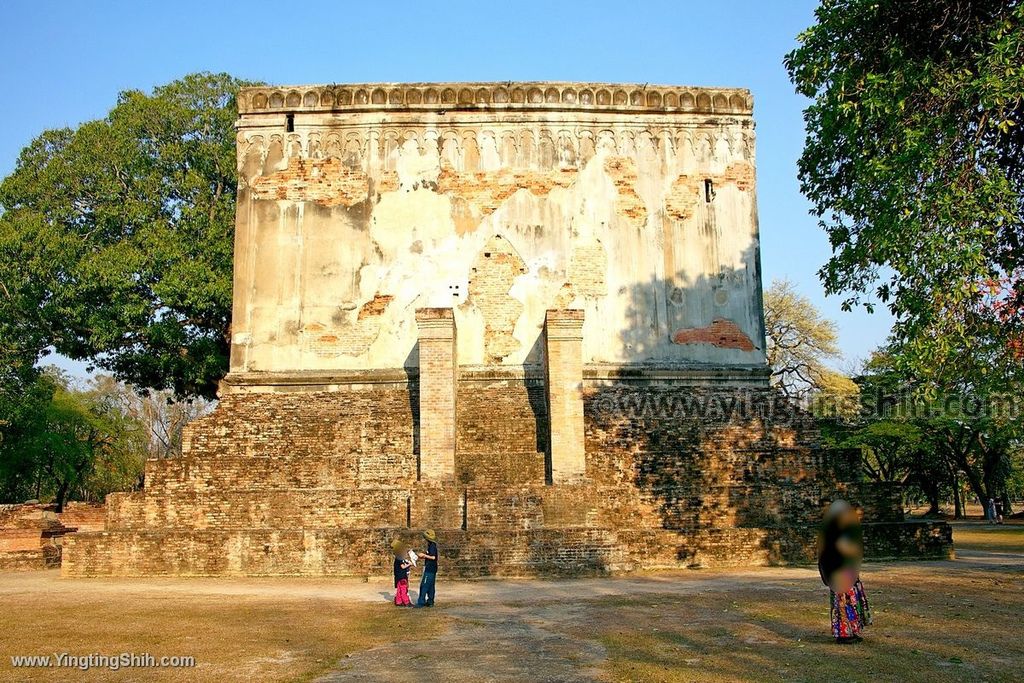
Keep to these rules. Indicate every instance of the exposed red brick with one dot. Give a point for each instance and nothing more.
(327, 182)
(485, 191)
(494, 271)
(741, 173)
(682, 197)
(375, 306)
(721, 333)
(587, 268)
(622, 171)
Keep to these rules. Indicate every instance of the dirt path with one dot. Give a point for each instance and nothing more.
(536, 626)
(707, 625)
(378, 589)
(485, 645)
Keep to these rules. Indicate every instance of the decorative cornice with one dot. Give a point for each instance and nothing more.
(692, 374)
(507, 96)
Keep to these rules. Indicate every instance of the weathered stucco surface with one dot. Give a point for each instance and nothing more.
(360, 204)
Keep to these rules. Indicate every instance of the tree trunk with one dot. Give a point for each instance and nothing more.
(958, 510)
(933, 501)
(974, 481)
(61, 496)
(930, 488)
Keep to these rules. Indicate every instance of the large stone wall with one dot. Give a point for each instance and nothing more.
(360, 204)
(281, 483)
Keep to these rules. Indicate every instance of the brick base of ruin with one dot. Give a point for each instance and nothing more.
(31, 533)
(318, 480)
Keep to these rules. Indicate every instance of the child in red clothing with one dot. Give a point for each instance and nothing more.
(401, 577)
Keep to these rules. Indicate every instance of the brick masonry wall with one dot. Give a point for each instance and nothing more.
(437, 392)
(508, 415)
(366, 420)
(563, 334)
(320, 483)
(83, 516)
(30, 537)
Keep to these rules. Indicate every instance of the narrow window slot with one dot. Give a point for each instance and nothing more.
(709, 190)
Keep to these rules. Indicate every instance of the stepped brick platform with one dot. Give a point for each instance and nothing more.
(81, 516)
(278, 490)
(527, 315)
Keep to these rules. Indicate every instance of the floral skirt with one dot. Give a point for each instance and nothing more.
(850, 612)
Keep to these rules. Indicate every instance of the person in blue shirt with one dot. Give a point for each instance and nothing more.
(426, 596)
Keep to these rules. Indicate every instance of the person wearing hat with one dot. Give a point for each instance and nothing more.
(402, 565)
(426, 596)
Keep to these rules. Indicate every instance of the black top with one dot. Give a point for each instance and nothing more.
(830, 558)
(431, 565)
(401, 569)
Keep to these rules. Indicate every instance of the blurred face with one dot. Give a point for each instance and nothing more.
(846, 522)
(848, 518)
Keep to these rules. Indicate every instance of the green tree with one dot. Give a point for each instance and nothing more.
(116, 238)
(914, 163)
(22, 342)
(931, 441)
(24, 398)
(894, 444)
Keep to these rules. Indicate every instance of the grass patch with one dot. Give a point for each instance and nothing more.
(231, 638)
(941, 621)
(1005, 538)
(927, 627)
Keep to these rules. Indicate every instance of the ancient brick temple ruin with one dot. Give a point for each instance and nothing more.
(527, 315)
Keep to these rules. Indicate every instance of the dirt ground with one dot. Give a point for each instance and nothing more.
(934, 621)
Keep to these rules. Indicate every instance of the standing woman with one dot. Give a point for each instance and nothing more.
(841, 548)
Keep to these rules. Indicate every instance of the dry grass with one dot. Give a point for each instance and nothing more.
(232, 638)
(928, 627)
(1003, 538)
(936, 622)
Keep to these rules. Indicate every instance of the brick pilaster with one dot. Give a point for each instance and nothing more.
(563, 332)
(438, 371)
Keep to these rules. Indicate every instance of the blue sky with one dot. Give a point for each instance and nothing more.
(64, 63)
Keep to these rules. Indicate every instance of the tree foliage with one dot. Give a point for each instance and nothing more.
(801, 343)
(70, 443)
(932, 442)
(116, 238)
(914, 162)
(160, 414)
